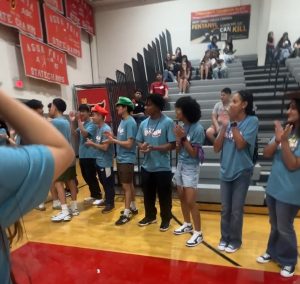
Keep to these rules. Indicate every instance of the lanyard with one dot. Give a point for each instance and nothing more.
(152, 131)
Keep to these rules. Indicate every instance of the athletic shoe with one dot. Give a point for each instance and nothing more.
(107, 209)
(231, 249)
(74, 212)
(41, 207)
(132, 211)
(146, 221)
(195, 240)
(264, 258)
(122, 220)
(183, 229)
(89, 200)
(61, 217)
(164, 226)
(98, 202)
(222, 246)
(102, 203)
(56, 206)
(287, 271)
(68, 193)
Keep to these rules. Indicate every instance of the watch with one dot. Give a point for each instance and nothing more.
(233, 124)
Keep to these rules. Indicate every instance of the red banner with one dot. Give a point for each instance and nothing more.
(82, 14)
(62, 33)
(55, 4)
(23, 15)
(94, 96)
(43, 62)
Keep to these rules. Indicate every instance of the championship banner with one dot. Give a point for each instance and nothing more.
(81, 13)
(62, 33)
(56, 5)
(223, 23)
(43, 62)
(93, 97)
(23, 15)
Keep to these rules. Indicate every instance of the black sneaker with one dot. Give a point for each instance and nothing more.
(107, 209)
(132, 211)
(146, 221)
(287, 271)
(164, 226)
(122, 220)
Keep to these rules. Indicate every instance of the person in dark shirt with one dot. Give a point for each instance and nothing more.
(139, 107)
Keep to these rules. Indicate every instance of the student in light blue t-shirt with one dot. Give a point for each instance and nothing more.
(283, 191)
(104, 157)
(189, 140)
(87, 155)
(126, 156)
(155, 139)
(236, 140)
(36, 167)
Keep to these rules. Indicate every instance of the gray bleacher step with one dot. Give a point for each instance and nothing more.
(265, 75)
(205, 104)
(210, 193)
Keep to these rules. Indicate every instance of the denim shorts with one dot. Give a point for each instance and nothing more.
(187, 175)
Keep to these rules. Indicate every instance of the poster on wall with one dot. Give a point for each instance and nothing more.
(223, 23)
(56, 5)
(81, 13)
(93, 97)
(23, 15)
(43, 62)
(62, 33)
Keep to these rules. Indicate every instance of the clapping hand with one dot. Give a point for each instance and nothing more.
(89, 142)
(110, 137)
(286, 132)
(73, 115)
(278, 131)
(179, 132)
(224, 119)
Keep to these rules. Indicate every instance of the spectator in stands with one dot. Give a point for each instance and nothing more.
(270, 48)
(220, 109)
(139, 107)
(205, 65)
(283, 49)
(189, 139)
(213, 44)
(4, 133)
(155, 139)
(236, 140)
(283, 198)
(178, 59)
(169, 65)
(228, 51)
(159, 87)
(189, 65)
(296, 52)
(183, 77)
(221, 70)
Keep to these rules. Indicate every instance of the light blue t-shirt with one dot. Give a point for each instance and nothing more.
(234, 161)
(26, 175)
(156, 132)
(195, 135)
(86, 152)
(104, 159)
(283, 184)
(63, 126)
(3, 141)
(126, 130)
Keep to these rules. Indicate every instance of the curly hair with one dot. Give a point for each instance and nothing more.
(191, 110)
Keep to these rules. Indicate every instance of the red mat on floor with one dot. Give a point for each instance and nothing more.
(38, 263)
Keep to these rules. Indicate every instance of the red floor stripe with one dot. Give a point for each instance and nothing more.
(38, 263)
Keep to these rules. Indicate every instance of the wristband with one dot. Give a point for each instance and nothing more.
(233, 124)
(183, 139)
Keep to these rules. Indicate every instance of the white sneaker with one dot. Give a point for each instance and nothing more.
(61, 217)
(195, 240)
(89, 200)
(222, 245)
(56, 205)
(41, 207)
(287, 271)
(264, 258)
(98, 202)
(231, 249)
(74, 212)
(183, 229)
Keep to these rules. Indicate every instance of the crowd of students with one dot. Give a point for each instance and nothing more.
(233, 133)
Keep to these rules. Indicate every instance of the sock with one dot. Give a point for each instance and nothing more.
(132, 205)
(187, 224)
(197, 233)
(73, 204)
(64, 208)
(127, 212)
(56, 202)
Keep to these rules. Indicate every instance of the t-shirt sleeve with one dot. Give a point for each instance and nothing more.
(26, 175)
(166, 87)
(91, 130)
(216, 109)
(131, 130)
(152, 88)
(170, 132)
(139, 136)
(198, 136)
(251, 130)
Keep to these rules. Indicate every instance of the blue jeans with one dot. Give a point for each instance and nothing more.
(233, 195)
(168, 76)
(106, 178)
(282, 244)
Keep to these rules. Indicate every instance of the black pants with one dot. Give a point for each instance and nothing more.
(108, 182)
(160, 183)
(89, 174)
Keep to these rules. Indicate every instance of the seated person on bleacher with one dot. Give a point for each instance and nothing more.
(183, 77)
(139, 107)
(189, 65)
(283, 49)
(159, 87)
(228, 51)
(177, 59)
(296, 52)
(220, 70)
(205, 65)
(213, 44)
(169, 67)
(220, 109)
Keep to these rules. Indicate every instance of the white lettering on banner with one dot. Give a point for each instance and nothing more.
(46, 75)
